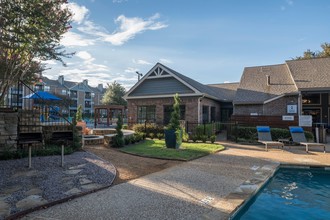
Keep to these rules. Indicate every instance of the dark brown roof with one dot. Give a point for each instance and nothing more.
(254, 88)
(311, 74)
(226, 91)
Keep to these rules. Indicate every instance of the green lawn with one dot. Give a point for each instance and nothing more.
(157, 149)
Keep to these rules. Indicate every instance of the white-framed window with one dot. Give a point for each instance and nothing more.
(93, 94)
(63, 92)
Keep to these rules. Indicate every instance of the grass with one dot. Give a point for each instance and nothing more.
(157, 149)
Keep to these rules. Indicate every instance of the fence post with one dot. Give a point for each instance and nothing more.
(236, 131)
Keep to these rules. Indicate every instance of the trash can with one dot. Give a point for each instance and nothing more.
(320, 133)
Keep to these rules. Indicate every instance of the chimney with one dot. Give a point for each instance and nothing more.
(100, 87)
(61, 79)
(268, 80)
(85, 82)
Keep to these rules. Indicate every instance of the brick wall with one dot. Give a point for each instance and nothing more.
(277, 107)
(191, 104)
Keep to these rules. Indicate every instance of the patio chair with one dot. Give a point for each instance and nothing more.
(265, 137)
(298, 136)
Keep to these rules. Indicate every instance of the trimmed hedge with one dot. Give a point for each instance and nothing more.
(250, 134)
(148, 129)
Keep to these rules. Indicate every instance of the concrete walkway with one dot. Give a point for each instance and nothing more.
(207, 188)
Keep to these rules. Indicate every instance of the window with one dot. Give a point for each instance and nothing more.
(310, 99)
(205, 114)
(146, 113)
(212, 113)
(168, 111)
(46, 88)
(314, 112)
(63, 92)
(93, 94)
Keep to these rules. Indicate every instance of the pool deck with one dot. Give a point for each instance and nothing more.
(212, 187)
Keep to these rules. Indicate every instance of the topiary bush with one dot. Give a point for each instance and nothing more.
(148, 129)
(118, 140)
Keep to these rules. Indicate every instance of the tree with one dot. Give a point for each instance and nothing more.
(175, 115)
(308, 54)
(79, 113)
(30, 33)
(114, 95)
(118, 140)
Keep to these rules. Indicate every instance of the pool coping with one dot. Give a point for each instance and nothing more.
(250, 188)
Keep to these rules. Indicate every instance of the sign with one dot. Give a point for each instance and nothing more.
(305, 120)
(292, 109)
(287, 118)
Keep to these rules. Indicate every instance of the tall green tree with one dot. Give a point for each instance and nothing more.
(30, 32)
(114, 95)
(308, 54)
(175, 115)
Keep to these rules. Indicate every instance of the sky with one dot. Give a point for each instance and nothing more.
(210, 41)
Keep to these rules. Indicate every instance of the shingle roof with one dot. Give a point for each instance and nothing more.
(50, 82)
(253, 88)
(310, 74)
(208, 90)
(226, 91)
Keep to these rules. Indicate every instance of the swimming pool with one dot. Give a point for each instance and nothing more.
(291, 194)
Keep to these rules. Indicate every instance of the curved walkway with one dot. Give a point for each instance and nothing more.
(207, 188)
(23, 189)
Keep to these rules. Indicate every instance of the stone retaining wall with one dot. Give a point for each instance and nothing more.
(8, 130)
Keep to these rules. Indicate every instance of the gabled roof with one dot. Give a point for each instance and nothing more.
(50, 82)
(311, 74)
(262, 84)
(162, 81)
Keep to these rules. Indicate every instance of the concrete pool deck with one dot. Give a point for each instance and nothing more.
(211, 187)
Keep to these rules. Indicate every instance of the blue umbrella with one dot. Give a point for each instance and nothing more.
(42, 95)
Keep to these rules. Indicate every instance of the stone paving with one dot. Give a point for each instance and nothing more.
(22, 188)
(212, 187)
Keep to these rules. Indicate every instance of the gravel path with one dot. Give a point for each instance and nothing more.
(22, 188)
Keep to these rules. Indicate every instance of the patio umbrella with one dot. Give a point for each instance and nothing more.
(42, 95)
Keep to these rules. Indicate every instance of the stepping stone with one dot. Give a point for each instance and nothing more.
(29, 173)
(84, 181)
(11, 189)
(77, 167)
(4, 209)
(34, 191)
(30, 201)
(72, 172)
(92, 186)
(73, 191)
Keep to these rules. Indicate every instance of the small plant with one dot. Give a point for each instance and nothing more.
(212, 138)
(127, 140)
(194, 138)
(132, 139)
(151, 135)
(204, 138)
(160, 136)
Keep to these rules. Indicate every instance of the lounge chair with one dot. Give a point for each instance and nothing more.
(298, 136)
(265, 137)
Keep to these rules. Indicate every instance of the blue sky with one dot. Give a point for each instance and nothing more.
(210, 41)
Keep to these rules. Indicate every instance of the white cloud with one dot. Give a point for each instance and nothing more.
(118, 1)
(131, 70)
(129, 27)
(49, 62)
(79, 13)
(87, 57)
(72, 39)
(141, 62)
(163, 60)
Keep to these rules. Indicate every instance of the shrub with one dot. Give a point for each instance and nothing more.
(204, 138)
(194, 138)
(127, 140)
(151, 135)
(118, 140)
(160, 136)
(185, 136)
(212, 138)
(148, 128)
(138, 137)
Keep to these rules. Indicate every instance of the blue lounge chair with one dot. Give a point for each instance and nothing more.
(298, 136)
(265, 137)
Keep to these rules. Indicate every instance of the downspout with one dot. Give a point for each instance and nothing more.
(299, 105)
(199, 108)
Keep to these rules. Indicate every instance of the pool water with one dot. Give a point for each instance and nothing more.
(291, 194)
